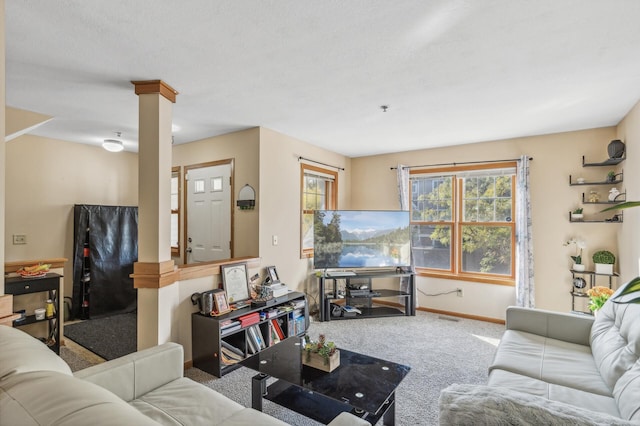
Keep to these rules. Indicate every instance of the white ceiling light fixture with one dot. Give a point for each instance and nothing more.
(113, 145)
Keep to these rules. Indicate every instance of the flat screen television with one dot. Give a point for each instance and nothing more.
(361, 239)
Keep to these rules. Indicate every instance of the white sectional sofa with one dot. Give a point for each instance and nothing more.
(144, 388)
(557, 368)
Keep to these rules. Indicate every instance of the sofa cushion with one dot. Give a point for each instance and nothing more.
(615, 340)
(53, 398)
(627, 393)
(22, 353)
(488, 405)
(550, 360)
(567, 395)
(185, 402)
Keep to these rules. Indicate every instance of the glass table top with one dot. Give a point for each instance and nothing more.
(361, 381)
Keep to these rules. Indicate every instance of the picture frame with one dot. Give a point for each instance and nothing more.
(273, 275)
(235, 282)
(221, 305)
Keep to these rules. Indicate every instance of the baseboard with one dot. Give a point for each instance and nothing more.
(440, 312)
(188, 364)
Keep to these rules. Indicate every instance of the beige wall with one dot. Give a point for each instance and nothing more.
(280, 204)
(629, 254)
(555, 158)
(2, 132)
(46, 177)
(243, 148)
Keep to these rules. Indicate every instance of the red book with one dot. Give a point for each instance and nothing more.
(276, 327)
(249, 319)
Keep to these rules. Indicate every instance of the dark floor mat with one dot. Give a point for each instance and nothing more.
(109, 337)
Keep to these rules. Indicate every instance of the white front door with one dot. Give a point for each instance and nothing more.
(208, 213)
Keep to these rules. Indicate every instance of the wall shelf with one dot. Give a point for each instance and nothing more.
(608, 162)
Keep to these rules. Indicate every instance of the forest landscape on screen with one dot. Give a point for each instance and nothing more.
(361, 239)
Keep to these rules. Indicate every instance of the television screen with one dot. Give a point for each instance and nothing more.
(361, 239)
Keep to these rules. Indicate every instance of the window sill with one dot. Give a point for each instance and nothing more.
(467, 277)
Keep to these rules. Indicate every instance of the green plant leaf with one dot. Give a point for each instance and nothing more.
(625, 205)
(630, 287)
(634, 300)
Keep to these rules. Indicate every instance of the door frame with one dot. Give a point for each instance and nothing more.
(230, 162)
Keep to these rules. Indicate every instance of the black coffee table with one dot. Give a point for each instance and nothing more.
(362, 385)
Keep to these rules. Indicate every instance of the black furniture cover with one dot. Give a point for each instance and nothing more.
(113, 248)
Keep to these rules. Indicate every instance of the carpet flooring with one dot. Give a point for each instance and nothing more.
(109, 337)
(440, 351)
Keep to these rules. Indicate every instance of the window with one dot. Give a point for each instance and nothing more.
(319, 191)
(462, 222)
(175, 211)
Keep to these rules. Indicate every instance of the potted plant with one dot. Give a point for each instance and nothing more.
(598, 295)
(611, 176)
(577, 214)
(322, 355)
(577, 259)
(604, 260)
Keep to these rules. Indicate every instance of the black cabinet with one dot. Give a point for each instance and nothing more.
(209, 335)
(49, 286)
(358, 290)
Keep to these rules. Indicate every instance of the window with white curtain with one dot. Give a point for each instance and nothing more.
(462, 222)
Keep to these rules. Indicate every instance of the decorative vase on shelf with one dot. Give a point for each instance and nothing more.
(578, 267)
(604, 268)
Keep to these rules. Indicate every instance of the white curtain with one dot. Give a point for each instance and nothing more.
(525, 290)
(403, 197)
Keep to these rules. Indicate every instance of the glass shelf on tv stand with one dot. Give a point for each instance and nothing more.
(329, 294)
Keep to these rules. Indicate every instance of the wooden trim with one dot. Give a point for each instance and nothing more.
(205, 269)
(13, 266)
(331, 200)
(188, 364)
(449, 313)
(147, 87)
(154, 274)
(461, 315)
(487, 279)
(451, 169)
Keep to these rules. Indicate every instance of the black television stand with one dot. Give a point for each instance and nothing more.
(356, 284)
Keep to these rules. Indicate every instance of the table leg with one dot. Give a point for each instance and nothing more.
(389, 418)
(258, 390)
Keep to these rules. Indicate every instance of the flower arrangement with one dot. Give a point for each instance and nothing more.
(580, 245)
(598, 295)
(321, 347)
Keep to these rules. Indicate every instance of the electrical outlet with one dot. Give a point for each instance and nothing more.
(19, 239)
(459, 292)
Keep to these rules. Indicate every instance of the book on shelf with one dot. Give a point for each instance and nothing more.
(249, 319)
(257, 338)
(252, 346)
(229, 324)
(231, 329)
(232, 348)
(228, 357)
(274, 337)
(275, 324)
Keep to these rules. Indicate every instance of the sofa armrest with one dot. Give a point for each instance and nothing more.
(489, 405)
(573, 328)
(135, 374)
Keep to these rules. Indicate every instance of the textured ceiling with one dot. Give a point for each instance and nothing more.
(451, 71)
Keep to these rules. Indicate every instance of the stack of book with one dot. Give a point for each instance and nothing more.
(296, 322)
(249, 319)
(230, 354)
(279, 289)
(255, 339)
(229, 326)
